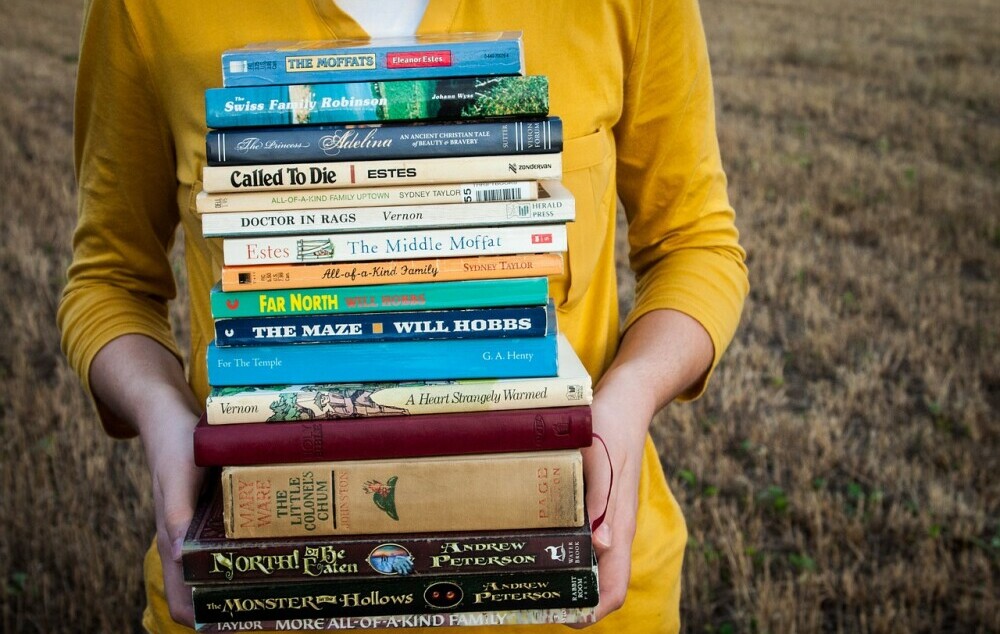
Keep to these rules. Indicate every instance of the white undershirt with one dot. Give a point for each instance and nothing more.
(386, 18)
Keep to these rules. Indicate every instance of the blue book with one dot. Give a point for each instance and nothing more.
(406, 57)
(481, 323)
(449, 99)
(307, 144)
(435, 359)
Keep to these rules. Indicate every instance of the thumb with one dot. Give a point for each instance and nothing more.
(599, 476)
(602, 536)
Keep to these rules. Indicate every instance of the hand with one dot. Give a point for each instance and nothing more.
(612, 479)
(661, 355)
(142, 383)
(176, 481)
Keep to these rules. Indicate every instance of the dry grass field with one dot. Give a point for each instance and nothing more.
(840, 476)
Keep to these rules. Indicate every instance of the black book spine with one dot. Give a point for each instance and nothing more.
(436, 594)
(310, 144)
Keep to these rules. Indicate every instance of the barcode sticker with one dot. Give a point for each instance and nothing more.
(502, 194)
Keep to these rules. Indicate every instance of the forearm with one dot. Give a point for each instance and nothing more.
(662, 354)
(142, 382)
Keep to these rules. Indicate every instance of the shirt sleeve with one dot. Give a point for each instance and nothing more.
(120, 278)
(683, 243)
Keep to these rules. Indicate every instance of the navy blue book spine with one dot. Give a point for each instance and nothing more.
(481, 323)
(309, 144)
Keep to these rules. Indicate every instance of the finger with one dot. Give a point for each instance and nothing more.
(598, 482)
(177, 592)
(613, 543)
(615, 568)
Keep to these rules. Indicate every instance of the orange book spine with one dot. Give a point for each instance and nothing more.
(285, 276)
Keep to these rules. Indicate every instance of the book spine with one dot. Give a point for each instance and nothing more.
(526, 291)
(253, 67)
(541, 489)
(400, 195)
(387, 245)
(306, 144)
(280, 560)
(302, 276)
(560, 208)
(377, 173)
(437, 359)
(359, 400)
(375, 101)
(394, 437)
(401, 595)
(525, 321)
(565, 616)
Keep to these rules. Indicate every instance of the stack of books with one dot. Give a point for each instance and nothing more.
(386, 240)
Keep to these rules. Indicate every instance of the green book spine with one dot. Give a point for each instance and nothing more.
(531, 291)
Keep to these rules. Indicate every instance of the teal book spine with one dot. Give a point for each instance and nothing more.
(528, 291)
(377, 101)
(437, 359)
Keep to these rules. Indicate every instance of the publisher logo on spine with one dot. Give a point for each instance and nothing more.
(425, 59)
(518, 211)
(541, 238)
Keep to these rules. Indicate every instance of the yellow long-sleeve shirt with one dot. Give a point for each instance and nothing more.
(631, 81)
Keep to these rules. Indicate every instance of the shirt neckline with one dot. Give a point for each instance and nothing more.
(438, 18)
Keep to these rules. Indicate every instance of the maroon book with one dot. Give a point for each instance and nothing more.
(499, 431)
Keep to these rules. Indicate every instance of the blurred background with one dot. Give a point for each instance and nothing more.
(841, 473)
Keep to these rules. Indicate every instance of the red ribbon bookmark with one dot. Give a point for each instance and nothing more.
(607, 502)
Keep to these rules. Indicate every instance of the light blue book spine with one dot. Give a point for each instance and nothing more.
(439, 359)
(527, 291)
(400, 58)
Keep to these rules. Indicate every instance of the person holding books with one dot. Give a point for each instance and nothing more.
(631, 81)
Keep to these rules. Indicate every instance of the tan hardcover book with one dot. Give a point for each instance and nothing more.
(453, 493)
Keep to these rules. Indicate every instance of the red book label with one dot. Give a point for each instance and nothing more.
(541, 238)
(424, 59)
